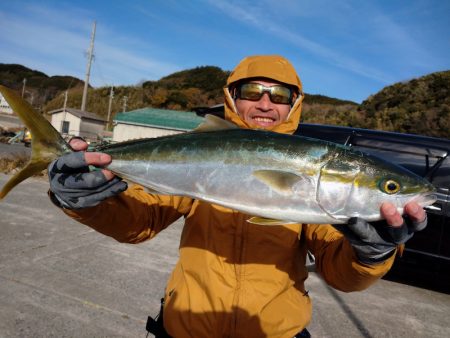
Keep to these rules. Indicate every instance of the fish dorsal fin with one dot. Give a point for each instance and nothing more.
(214, 123)
(280, 181)
(267, 221)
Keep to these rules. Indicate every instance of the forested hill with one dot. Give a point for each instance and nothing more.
(420, 106)
(39, 87)
(184, 90)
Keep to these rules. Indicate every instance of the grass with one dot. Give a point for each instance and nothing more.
(10, 165)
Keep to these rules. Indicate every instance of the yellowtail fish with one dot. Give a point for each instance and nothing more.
(276, 178)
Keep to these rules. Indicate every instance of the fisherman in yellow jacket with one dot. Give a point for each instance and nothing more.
(234, 278)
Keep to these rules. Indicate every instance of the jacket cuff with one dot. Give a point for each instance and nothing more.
(375, 259)
(56, 200)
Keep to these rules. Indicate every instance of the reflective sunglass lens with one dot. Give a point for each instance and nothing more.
(254, 92)
(279, 94)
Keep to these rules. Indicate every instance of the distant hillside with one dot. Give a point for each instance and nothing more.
(200, 86)
(184, 90)
(39, 87)
(322, 99)
(420, 106)
(328, 110)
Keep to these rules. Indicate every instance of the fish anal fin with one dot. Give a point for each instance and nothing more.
(32, 168)
(214, 123)
(130, 179)
(267, 221)
(280, 181)
(151, 191)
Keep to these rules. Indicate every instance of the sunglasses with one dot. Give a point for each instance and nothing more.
(254, 91)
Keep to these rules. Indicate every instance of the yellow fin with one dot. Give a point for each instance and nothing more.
(30, 169)
(46, 142)
(267, 221)
(214, 123)
(281, 181)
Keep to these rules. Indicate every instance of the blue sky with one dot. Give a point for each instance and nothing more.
(347, 49)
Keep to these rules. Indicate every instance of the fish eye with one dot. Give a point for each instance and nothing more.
(390, 187)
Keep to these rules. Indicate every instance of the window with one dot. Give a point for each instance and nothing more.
(65, 127)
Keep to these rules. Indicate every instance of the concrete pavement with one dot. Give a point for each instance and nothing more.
(59, 278)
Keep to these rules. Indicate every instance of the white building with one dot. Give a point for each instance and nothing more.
(75, 122)
(4, 106)
(152, 122)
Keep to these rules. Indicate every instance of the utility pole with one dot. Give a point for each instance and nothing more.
(111, 96)
(23, 88)
(65, 113)
(125, 98)
(88, 67)
(65, 100)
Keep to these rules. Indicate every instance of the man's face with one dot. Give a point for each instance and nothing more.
(262, 113)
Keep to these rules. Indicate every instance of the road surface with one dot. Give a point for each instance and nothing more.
(10, 121)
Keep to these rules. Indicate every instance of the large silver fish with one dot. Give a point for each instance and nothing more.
(276, 178)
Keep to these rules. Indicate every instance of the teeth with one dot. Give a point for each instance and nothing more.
(263, 119)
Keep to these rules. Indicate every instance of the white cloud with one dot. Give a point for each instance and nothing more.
(260, 17)
(128, 66)
(52, 40)
(377, 42)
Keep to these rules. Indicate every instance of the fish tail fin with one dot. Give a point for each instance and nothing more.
(46, 142)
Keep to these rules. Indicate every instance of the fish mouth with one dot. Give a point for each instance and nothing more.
(425, 199)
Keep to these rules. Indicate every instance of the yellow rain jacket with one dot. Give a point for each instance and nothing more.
(233, 278)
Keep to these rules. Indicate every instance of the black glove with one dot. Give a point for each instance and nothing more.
(75, 187)
(375, 242)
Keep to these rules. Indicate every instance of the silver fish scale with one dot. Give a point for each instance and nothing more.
(329, 181)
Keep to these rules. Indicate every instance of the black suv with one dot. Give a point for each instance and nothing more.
(426, 259)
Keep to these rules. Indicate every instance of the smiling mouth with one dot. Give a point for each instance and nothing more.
(263, 119)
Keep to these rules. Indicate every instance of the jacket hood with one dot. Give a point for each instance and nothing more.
(273, 67)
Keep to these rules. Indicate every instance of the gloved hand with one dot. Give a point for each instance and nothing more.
(74, 186)
(376, 242)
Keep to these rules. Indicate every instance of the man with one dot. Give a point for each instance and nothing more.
(233, 278)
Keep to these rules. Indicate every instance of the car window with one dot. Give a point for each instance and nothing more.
(423, 157)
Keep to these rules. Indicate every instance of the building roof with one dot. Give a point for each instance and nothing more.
(79, 113)
(160, 118)
(3, 102)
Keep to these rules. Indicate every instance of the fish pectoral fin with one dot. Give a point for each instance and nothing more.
(214, 123)
(280, 181)
(267, 221)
